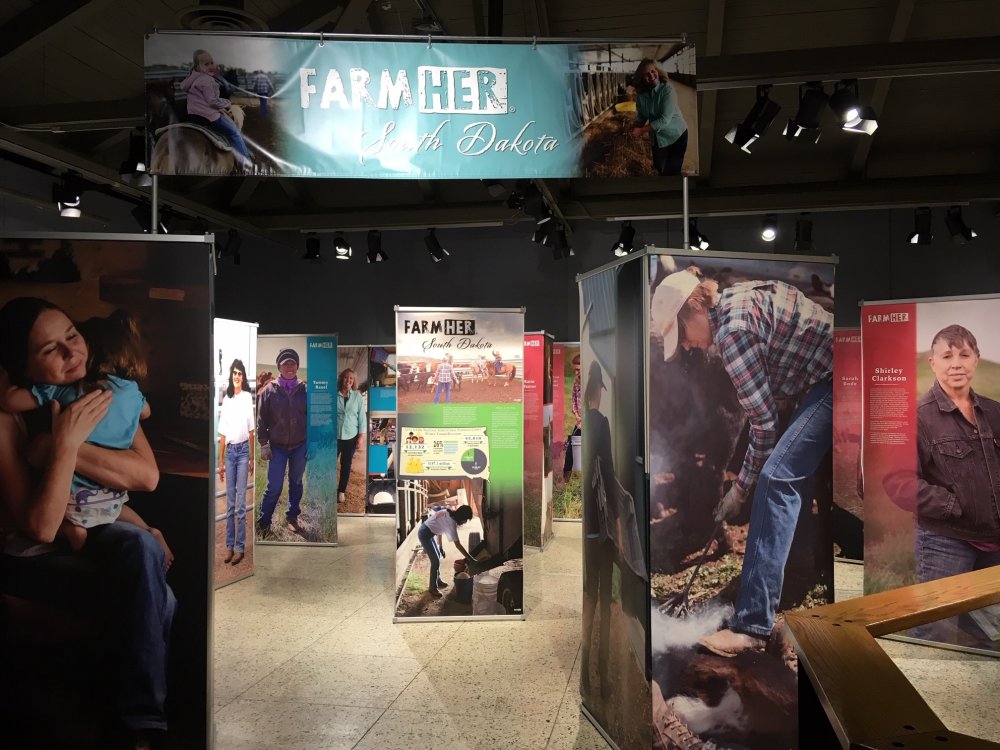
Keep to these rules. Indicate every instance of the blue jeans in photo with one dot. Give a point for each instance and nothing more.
(427, 541)
(117, 579)
(237, 470)
(228, 128)
(775, 511)
(446, 387)
(940, 556)
(282, 458)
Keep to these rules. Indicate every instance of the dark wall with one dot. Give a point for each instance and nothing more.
(501, 267)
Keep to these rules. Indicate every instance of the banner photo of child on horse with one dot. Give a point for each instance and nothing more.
(221, 104)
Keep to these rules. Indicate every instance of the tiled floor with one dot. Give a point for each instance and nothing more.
(307, 656)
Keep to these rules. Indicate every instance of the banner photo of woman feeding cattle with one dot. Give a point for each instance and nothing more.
(297, 407)
(740, 432)
(931, 373)
(108, 509)
(227, 104)
(460, 443)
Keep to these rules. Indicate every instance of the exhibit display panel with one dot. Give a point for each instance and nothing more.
(235, 345)
(848, 485)
(295, 485)
(354, 358)
(931, 374)
(567, 499)
(293, 106)
(537, 439)
(460, 467)
(114, 616)
(707, 437)
(381, 493)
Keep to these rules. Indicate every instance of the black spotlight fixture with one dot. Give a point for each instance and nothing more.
(375, 252)
(803, 235)
(312, 249)
(805, 126)
(536, 207)
(133, 170)
(696, 240)
(560, 243)
(961, 233)
(921, 234)
(342, 246)
(66, 196)
(626, 240)
(844, 101)
(769, 228)
(519, 195)
(753, 126)
(434, 247)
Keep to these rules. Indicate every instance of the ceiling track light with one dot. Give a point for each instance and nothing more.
(960, 232)
(921, 234)
(769, 228)
(756, 122)
(312, 253)
(133, 169)
(844, 100)
(696, 240)
(805, 126)
(342, 247)
(560, 243)
(434, 247)
(626, 239)
(375, 252)
(803, 235)
(66, 196)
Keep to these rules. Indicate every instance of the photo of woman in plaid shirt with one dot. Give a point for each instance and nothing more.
(775, 344)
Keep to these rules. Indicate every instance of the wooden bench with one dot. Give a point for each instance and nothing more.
(851, 694)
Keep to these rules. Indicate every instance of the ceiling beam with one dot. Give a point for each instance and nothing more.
(354, 20)
(897, 33)
(36, 25)
(538, 11)
(77, 116)
(247, 187)
(58, 157)
(929, 57)
(706, 119)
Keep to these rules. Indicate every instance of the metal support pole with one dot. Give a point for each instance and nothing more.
(154, 213)
(684, 218)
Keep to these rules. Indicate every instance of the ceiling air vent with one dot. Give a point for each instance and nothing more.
(219, 16)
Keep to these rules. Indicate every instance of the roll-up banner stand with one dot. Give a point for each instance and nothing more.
(234, 347)
(931, 452)
(295, 486)
(537, 439)
(381, 494)
(567, 500)
(109, 610)
(354, 488)
(848, 492)
(736, 356)
(460, 445)
(301, 105)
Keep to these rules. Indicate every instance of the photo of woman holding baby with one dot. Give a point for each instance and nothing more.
(104, 567)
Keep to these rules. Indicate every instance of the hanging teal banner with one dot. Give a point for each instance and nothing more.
(224, 104)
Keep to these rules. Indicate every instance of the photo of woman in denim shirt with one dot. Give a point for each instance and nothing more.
(958, 447)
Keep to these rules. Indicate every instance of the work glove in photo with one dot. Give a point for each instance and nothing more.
(730, 504)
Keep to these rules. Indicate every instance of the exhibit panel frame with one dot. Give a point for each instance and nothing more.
(669, 446)
(159, 282)
(227, 340)
(566, 442)
(925, 361)
(538, 425)
(460, 464)
(308, 463)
